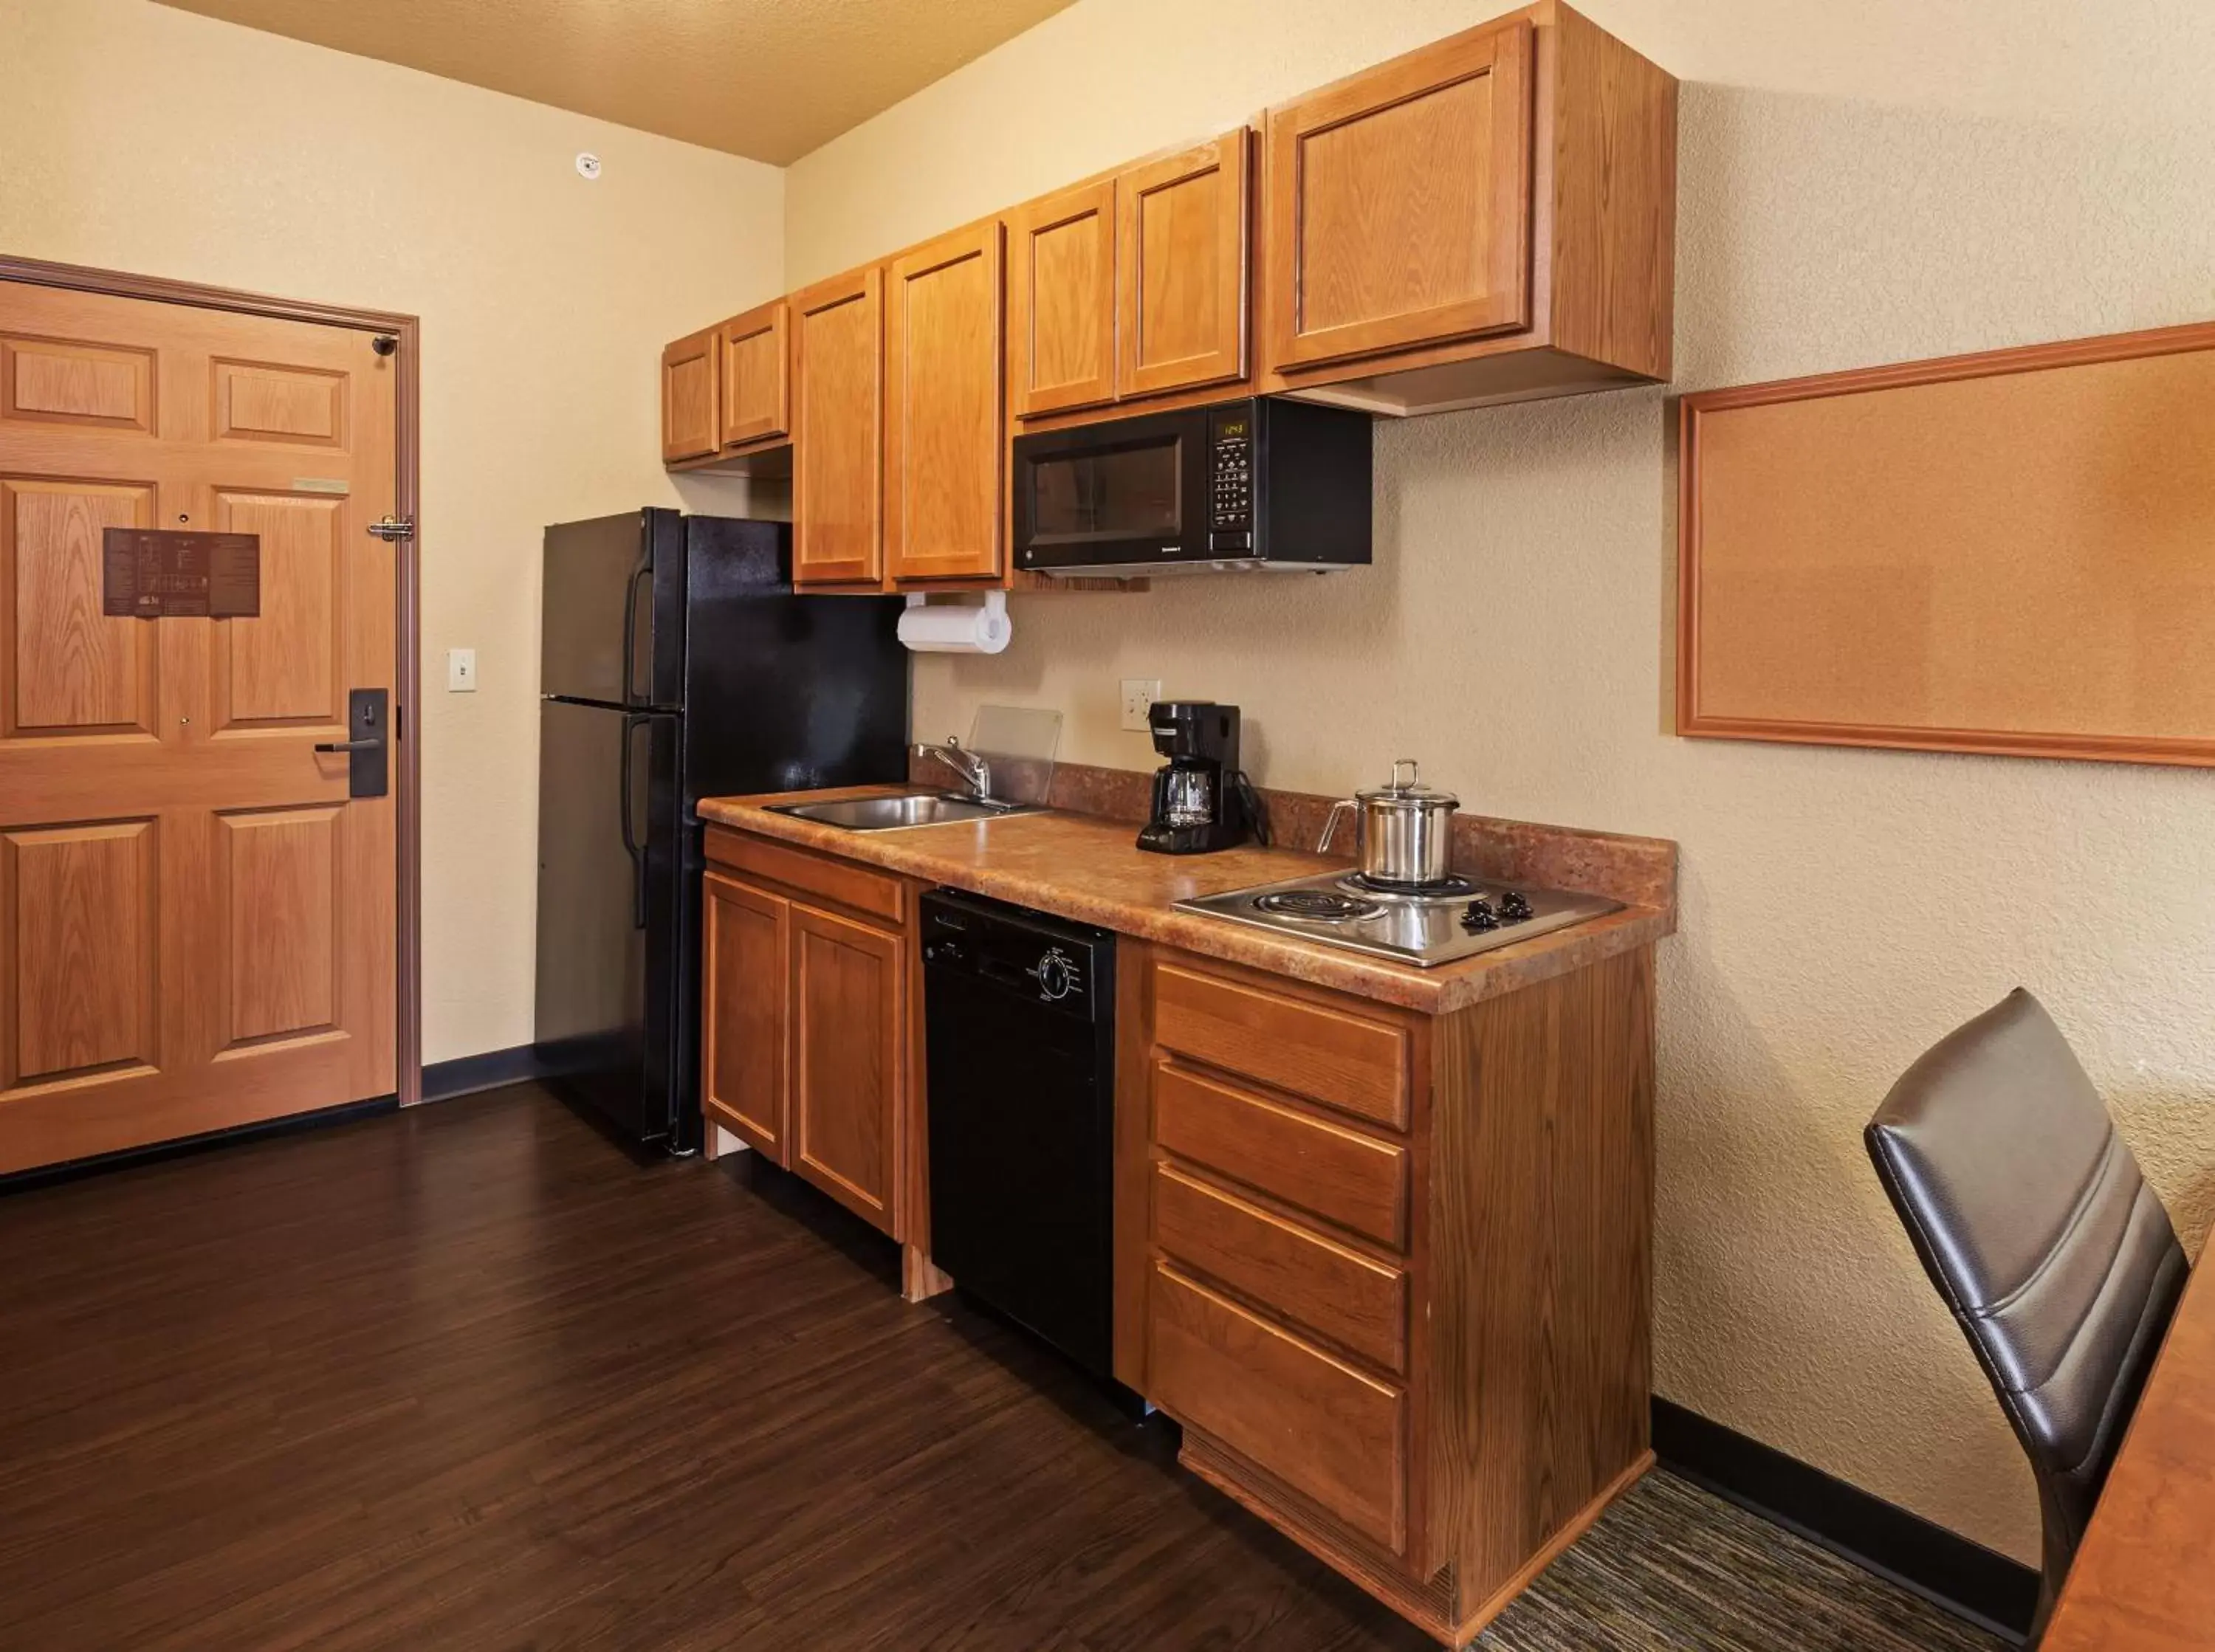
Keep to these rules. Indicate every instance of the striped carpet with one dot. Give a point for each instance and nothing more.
(1671, 1567)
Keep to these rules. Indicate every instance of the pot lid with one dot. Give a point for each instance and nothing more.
(1405, 788)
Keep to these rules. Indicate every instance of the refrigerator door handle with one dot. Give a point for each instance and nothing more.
(633, 721)
(643, 570)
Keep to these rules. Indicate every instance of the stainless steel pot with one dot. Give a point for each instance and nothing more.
(1403, 831)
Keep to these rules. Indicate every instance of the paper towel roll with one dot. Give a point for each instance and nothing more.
(957, 628)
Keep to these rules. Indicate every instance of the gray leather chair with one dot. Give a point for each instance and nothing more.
(2031, 1219)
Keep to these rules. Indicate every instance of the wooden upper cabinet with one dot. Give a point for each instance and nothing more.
(1181, 268)
(690, 427)
(1400, 201)
(944, 433)
(1061, 301)
(838, 487)
(756, 377)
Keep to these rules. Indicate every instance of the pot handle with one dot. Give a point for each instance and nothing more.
(1330, 824)
(1408, 764)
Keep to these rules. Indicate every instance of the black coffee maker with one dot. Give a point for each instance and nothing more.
(1202, 800)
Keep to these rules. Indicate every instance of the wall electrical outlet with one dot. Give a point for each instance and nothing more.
(461, 670)
(1138, 696)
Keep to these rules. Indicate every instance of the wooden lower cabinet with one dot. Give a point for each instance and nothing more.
(746, 947)
(1391, 1272)
(849, 1020)
(806, 1015)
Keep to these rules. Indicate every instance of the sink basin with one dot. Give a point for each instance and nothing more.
(895, 813)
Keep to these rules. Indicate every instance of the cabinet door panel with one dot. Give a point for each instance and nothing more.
(742, 1068)
(848, 1020)
(689, 418)
(1399, 204)
(943, 432)
(1180, 269)
(756, 380)
(838, 487)
(1061, 301)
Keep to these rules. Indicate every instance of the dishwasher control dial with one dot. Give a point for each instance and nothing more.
(1056, 975)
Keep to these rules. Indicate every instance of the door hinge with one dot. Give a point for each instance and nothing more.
(390, 528)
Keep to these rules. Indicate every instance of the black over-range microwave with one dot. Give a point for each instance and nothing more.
(1263, 483)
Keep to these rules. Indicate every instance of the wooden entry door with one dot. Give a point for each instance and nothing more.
(197, 924)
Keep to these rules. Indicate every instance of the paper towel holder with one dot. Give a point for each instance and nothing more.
(991, 627)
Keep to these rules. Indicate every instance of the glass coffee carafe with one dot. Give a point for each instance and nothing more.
(1188, 796)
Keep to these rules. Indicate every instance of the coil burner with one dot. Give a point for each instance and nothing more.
(1452, 887)
(1318, 906)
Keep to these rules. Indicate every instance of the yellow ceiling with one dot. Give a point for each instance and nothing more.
(770, 79)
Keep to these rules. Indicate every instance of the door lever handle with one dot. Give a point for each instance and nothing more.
(368, 762)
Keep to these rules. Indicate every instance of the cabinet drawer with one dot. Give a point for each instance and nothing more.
(1347, 1298)
(1310, 1049)
(1322, 1428)
(839, 881)
(1343, 1176)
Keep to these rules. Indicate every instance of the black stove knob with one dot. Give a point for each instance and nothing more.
(1513, 906)
(1480, 916)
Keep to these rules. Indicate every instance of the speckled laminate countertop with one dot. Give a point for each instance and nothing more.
(1089, 869)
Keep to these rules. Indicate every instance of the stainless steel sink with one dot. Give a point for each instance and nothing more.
(908, 809)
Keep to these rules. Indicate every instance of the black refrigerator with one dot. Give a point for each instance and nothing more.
(676, 663)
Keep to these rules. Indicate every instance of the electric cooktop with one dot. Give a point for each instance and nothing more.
(1426, 926)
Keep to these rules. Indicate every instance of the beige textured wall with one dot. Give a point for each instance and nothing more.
(136, 138)
(1859, 184)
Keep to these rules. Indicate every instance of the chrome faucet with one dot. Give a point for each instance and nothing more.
(967, 764)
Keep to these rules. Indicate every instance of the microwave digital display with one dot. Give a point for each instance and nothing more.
(1103, 493)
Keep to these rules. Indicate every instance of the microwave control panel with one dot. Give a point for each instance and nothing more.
(1231, 480)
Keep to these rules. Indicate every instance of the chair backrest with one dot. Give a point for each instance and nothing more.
(2030, 1214)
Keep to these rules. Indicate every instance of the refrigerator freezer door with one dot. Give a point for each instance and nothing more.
(612, 630)
(784, 693)
(608, 912)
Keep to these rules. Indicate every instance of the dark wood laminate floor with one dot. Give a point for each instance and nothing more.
(468, 1377)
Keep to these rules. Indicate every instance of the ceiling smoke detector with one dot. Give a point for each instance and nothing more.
(588, 166)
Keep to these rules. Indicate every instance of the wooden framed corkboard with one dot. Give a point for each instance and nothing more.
(2011, 551)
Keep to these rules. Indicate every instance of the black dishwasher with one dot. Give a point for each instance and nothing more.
(1019, 1019)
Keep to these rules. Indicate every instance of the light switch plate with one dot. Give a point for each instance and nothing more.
(1139, 694)
(461, 670)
